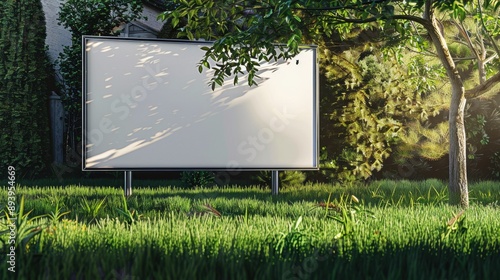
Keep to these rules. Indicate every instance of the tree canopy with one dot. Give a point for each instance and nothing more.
(245, 33)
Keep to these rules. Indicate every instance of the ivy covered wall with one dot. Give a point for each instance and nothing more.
(24, 80)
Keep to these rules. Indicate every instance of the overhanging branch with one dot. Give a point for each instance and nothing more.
(484, 87)
(342, 7)
(425, 23)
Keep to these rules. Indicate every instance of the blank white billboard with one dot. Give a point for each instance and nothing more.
(146, 107)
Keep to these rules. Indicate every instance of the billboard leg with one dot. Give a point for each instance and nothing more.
(127, 185)
(274, 182)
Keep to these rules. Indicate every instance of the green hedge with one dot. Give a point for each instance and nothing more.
(24, 80)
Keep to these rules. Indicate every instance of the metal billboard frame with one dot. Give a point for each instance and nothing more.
(107, 71)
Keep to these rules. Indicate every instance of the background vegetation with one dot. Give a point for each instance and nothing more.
(460, 36)
(25, 83)
(383, 106)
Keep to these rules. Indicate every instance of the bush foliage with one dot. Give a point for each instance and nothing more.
(286, 178)
(192, 179)
(24, 79)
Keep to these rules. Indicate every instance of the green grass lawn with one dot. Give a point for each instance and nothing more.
(383, 230)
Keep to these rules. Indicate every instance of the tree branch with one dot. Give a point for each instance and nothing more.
(483, 88)
(426, 24)
(463, 32)
(489, 59)
(464, 58)
(342, 7)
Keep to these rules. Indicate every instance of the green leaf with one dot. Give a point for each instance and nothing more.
(175, 21)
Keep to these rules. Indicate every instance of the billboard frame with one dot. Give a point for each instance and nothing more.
(85, 113)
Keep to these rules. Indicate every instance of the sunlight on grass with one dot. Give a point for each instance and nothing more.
(246, 233)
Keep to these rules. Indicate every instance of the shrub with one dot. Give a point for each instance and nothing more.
(197, 178)
(287, 178)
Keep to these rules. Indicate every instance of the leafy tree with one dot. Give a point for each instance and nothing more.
(472, 53)
(24, 80)
(483, 138)
(246, 30)
(375, 105)
(87, 17)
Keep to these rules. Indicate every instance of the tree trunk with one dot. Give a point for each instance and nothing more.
(457, 186)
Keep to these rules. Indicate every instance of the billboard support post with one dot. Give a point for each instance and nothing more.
(127, 184)
(275, 182)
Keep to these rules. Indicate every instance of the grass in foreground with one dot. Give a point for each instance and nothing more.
(397, 230)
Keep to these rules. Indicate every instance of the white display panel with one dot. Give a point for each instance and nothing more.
(146, 106)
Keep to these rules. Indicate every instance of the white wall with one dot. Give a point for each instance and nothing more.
(57, 36)
(151, 21)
